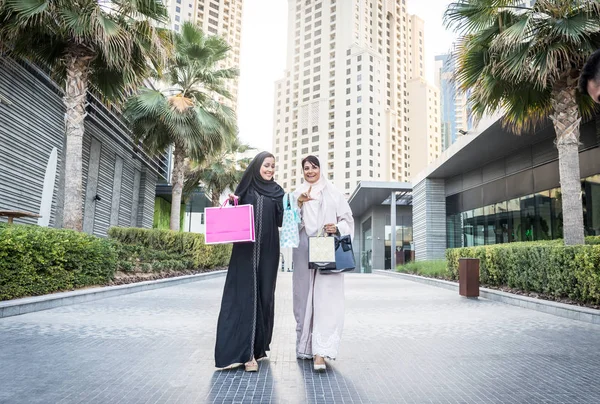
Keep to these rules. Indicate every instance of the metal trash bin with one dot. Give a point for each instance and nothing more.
(468, 277)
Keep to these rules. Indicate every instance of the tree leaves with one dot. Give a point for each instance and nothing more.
(512, 57)
(184, 105)
(118, 38)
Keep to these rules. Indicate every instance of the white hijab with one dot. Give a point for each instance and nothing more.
(328, 205)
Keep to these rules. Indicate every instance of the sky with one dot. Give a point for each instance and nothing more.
(263, 59)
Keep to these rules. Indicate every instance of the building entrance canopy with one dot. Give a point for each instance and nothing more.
(373, 193)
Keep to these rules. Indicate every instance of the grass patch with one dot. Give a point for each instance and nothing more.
(436, 269)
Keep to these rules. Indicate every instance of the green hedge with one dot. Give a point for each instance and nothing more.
(189, 246)
(544, 267)
(38, 260)
(592, 240)
(431, 268)
(134, 258)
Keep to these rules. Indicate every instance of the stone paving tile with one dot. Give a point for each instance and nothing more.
(403, 343)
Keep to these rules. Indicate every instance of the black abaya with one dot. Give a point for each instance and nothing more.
(245, 324)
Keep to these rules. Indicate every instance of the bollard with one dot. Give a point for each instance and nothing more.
(468, 277)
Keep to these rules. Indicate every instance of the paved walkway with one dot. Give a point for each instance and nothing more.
(403, 343)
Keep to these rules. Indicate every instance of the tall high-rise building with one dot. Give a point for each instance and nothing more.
(425, 144)
(345, 97)
(456, 117)
(216, 17)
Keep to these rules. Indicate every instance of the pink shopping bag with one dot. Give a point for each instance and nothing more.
(229, 224)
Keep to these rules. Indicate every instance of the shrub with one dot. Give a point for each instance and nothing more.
(38, 260)
(187, 249)
(436, 268)
(592, 240)
(544, 267)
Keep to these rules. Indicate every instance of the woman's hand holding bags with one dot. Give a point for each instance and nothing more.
(290, 235)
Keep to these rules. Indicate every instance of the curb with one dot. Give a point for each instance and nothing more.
(26, 305)
(545, 306)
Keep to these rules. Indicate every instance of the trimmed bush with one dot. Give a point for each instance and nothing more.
(188, 249)
(38, 260)
(544, 267)
(435, 268)
(592, 240)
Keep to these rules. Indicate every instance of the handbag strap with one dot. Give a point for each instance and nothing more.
(235, 202)
(286, 201)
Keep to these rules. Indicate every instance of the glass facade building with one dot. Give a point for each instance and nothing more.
(531, 217)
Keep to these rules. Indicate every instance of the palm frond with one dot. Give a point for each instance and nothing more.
(512, 59)
(28, 8)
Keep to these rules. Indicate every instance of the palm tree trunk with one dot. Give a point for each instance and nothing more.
(75, 102)
(215, 198)
(177, 179)
(566, 121)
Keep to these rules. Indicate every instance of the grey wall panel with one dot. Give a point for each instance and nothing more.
(142, 198)
(544, 152)
(127, 195)
(91, 188)
(494, 192)
(135, 201)
(105, 191)
(589, 162)
(472, 198)
(115, 202)
(147, 214)
(494, 170)
(454, 185)
(472, 179)
(429, 220)
(519, 184)
(546, 177)
(32, 124)
(518, 161)
(588, 136)
(85, 161)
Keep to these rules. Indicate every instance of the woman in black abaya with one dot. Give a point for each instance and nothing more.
(245, 323)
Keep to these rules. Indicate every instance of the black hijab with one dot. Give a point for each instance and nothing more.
(253, 179)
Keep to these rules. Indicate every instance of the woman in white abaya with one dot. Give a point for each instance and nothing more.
(318, 298)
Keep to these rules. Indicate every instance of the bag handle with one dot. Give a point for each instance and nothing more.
(322, 233)
(235, 202)
(286, 201)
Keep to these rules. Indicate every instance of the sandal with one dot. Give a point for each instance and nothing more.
(319, 366)
(251, 366)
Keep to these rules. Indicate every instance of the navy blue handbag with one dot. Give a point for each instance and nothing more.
(344, 256)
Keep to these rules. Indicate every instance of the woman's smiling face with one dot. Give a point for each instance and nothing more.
(312, 173)
(267, 169)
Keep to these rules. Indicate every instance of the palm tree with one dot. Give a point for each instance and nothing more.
(183, 109)
(221, 171)
(84, 45)
(525, 62)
